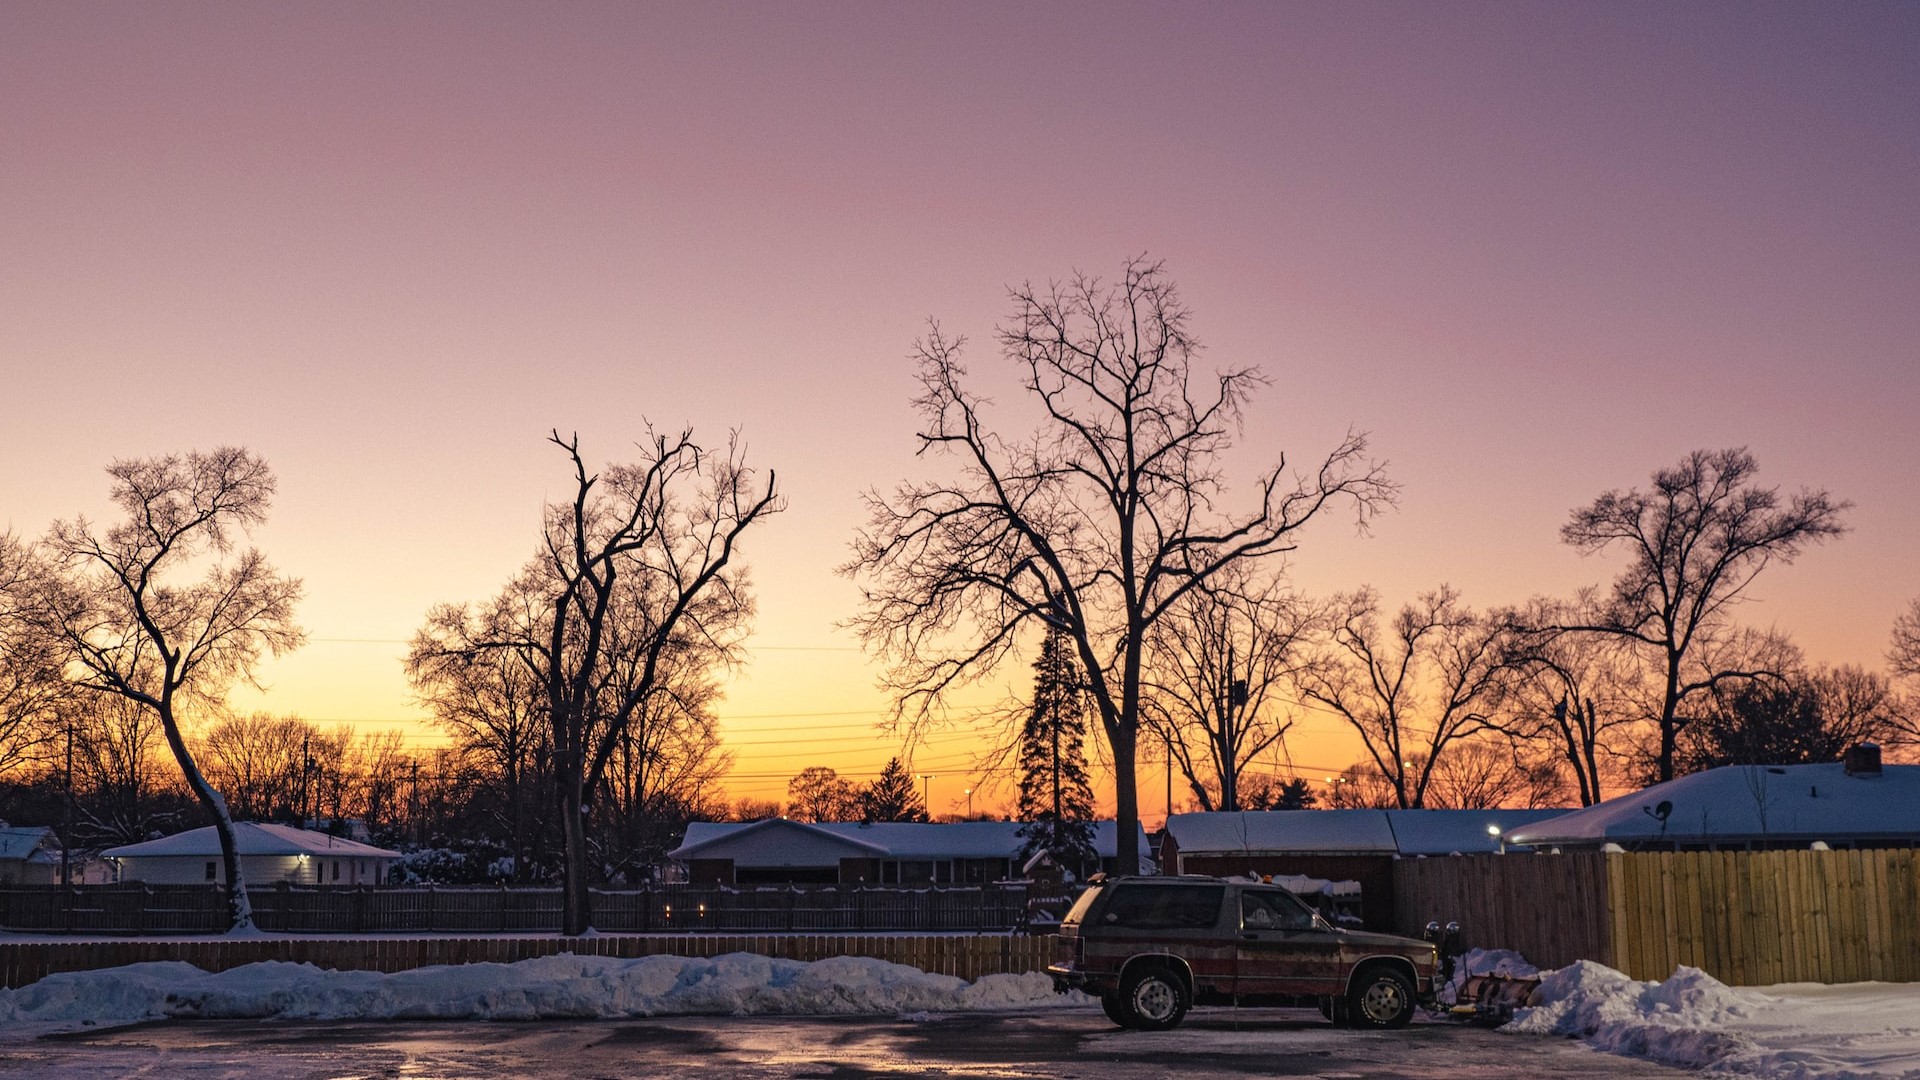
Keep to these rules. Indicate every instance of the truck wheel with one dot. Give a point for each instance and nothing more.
(1110, 1004)
(1335, 1010)
(1153, 998)
(1381, 998)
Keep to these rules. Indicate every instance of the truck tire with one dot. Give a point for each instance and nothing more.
(1110, 1004)
(1153, 998)
(1382, 998)
(1335, 1010)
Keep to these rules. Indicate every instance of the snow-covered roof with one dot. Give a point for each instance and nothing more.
(252, 838)
(1443, 832)
(21, 841)
(747, 843)
(1749, 802)
(1346, 832)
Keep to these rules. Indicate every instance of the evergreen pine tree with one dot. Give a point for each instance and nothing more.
(892, 797)
(1056, 800)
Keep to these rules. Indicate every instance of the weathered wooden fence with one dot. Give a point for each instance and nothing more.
(137, 908)
(968, 956)
(1551, 908)
(1748, 918)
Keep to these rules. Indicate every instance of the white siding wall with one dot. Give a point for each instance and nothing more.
(192, 869)
(258, 869)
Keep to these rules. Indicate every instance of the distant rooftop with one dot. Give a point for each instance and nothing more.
(252, 838)
(1748, 802)
(1347, 832)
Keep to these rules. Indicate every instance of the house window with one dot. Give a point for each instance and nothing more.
(210, 872)
(336, 869)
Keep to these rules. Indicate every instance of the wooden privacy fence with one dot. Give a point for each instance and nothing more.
(137, 908)
(968, 956)
(1748, 918)
(1758, 917)
(1551, 908)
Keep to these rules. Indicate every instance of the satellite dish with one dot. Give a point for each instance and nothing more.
(1659, 812)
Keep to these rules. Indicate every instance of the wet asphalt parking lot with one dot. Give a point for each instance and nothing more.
(1038, 1043)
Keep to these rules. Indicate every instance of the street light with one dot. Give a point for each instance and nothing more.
(926, 792)
(969, 802)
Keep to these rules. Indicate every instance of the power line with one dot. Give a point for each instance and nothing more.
(749, 648)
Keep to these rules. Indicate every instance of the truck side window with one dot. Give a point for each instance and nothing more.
(1264, 910)
(1164, 907)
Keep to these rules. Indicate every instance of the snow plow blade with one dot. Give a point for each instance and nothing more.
(1492, 999)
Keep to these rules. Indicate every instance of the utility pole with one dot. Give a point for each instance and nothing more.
(926, 793)
(306, 775)
(66, 828)
(413, 800)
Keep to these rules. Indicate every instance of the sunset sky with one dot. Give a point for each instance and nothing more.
(1537, 250)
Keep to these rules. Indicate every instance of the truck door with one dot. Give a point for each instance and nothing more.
(1283, 949)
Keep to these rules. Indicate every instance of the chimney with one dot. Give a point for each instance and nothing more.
(1863, 760)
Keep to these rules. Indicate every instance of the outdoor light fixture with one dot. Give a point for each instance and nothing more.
(1493, 830)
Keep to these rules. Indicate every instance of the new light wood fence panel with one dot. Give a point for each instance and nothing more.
(1758, 917)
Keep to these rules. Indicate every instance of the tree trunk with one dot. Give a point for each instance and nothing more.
(239, 909)
(1669, 713)
(574, 914)
(1126, 799)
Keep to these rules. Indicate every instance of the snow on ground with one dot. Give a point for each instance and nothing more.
(553, 987)
(1795, 1031)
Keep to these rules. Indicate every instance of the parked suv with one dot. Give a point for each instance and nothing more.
(1151, 947)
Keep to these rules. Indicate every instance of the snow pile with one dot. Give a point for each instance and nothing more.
(1795, 1031)
(1691, 1019)
(554, 987)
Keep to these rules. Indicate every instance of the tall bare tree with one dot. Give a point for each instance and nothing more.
(1412, 689)
(127, 624)
(1097, 524)
(126, 788)
(818, 793)
(1695, 541)
(1903, 653)
(635, 578)
(32, 689)
(493, 705)
(1578, 694)
(1217, 667)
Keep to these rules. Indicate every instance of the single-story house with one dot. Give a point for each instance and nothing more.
(778, 850)
(1750, 807)
(1338, 845)
(268, 854)
(29, 855)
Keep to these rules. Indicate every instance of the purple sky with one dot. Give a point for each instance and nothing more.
(1538, 250)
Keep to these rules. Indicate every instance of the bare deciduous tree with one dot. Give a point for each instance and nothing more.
(1217, 666)
(1903, 654)
(818, 793)
(1574, 693)
(1094, 526)
(1695, 541)
(494, 707)
(1413, 689)
(127, 626)
(31, 687)
(635, 579)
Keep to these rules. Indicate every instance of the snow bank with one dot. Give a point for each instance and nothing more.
(1691, 1019)
(554, 987)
